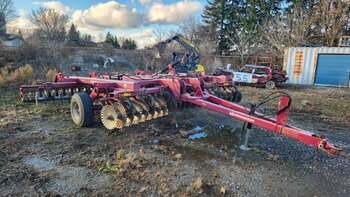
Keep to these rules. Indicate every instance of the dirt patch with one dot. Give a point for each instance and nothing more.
(43, 153)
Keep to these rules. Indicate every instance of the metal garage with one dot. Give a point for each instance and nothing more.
(328, 66)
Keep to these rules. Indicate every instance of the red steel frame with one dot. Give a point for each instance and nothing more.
(188, 90)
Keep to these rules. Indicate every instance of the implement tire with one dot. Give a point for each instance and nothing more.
(237, 96)
(81, 109)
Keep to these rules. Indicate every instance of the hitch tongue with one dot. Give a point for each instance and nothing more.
(329, 148)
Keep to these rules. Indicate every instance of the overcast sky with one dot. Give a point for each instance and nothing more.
(136, 19)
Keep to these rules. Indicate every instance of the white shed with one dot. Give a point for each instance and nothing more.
(12, 43)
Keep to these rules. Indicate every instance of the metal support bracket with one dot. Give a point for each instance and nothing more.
(245, 139)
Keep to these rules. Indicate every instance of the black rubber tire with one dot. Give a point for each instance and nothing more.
(238, 96)
(270, 85)
(84, 115)
(170, 99)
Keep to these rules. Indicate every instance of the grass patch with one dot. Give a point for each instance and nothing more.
(21, 75)
(325, 103)
(13, 110)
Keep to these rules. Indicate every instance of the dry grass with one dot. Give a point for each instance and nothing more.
(127, 163)
(50, 75)
(328, 104)
(21, 75)
(14, 111)
(196, 186)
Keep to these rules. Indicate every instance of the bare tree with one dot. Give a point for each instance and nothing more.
(8, 10)
(50, 24)
(332, 16)
(202, 36)
(245, 44)
(290, 29)
(189, 28)
(161, 33)
(276, 35)
(320, 24)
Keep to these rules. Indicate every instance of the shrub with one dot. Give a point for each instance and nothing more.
(21, 75)
(50, 75)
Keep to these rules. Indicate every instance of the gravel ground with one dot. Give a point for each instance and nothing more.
(43, 153)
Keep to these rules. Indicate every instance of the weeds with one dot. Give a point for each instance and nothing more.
(21, 75)
(196, 186)
(328, 105)
(128, 164)
(107, 167)
(50, 75)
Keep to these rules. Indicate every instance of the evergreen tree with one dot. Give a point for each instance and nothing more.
(125, 44)
(20, 35)
(116, 43)
(133, 45)
(129, 44)
(249, 15)
(234, 19)
(86, 37)
(215, 15)
(73, 35)
(306, 4)
(62, 34)
(109, 39)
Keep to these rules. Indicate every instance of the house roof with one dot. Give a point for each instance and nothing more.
(9, 37)
(87, 42)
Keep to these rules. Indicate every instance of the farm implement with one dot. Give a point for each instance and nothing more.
(188, 64)
(126, 100)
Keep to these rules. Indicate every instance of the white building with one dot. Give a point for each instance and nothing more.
(11, 41)
(8, 41)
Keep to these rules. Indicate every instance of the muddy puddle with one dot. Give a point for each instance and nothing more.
(198, 143)
(218, 137)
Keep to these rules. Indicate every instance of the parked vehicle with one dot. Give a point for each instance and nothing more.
(262, 76)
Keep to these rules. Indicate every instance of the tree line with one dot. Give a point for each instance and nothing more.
(120, 43)
(74, 38)
(227, 27)
(243, 26)
(50, 26)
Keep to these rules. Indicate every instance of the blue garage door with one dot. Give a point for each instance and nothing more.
(333, 70)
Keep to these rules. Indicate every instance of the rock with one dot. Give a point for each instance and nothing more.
(173, 121)
(177, 157)
(184, 133)
(186, 194)
(305, 103)
(143, 190)
(222, 190)
(273, 158)
(197, 185)
(212, 161)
